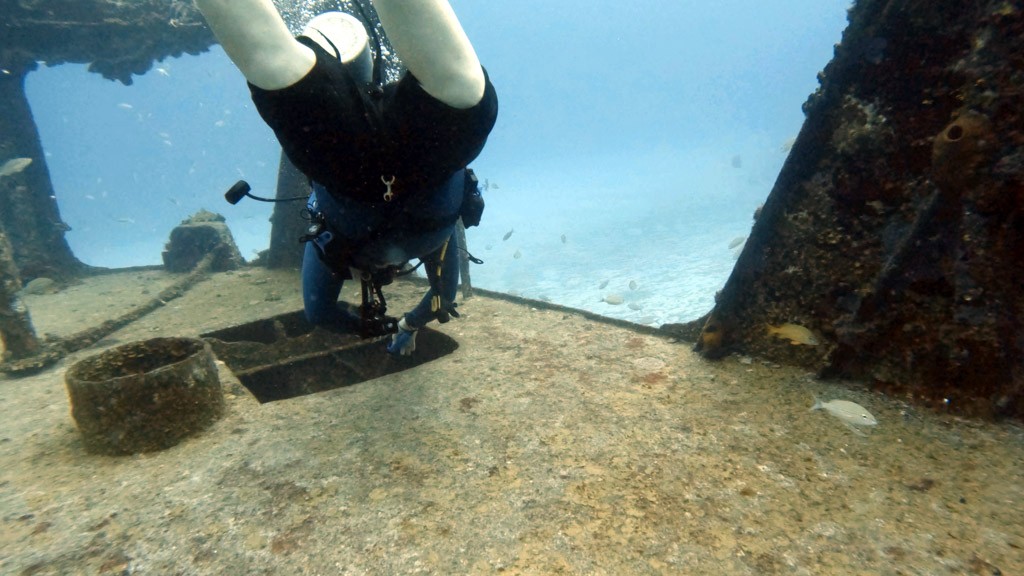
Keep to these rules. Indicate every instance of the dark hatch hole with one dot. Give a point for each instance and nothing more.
(283, 356)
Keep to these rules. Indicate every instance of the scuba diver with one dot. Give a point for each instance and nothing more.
(387, 163)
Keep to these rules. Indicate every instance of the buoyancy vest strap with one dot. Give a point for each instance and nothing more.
(435, 283)
(441, 309)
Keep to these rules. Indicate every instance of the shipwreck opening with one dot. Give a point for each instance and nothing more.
(284, 356)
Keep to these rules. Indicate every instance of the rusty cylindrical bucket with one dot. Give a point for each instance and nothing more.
(145, 395)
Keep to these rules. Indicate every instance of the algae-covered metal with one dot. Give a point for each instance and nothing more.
(897, 221)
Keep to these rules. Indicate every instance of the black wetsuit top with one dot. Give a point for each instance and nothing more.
(347, 136)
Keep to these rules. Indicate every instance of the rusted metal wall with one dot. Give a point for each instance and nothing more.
(116, 38)
(894, 232)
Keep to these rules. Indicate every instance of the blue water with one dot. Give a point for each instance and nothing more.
(644, 132)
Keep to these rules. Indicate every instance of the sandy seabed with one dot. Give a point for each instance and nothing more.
(547, 443)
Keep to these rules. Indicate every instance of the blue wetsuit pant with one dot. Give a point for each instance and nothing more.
(321, 288)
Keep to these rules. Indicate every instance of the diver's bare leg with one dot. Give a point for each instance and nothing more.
(258, 41)
(433, 46)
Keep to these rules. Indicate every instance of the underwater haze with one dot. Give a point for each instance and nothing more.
(634, 142)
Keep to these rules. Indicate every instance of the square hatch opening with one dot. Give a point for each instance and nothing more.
(284, 356)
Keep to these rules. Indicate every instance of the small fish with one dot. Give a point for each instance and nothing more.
(517, 255)
(163, 71)
(41, 286)
(603, 284)
(795, 333)
(737, 241)
(494, 185)
(613, 299)
(125, 106)
(508, 235)
(632, 285)
(125, 220)
(564, 239)
(737, 161)
(850, 413)
(13, 166)
(219, 123)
